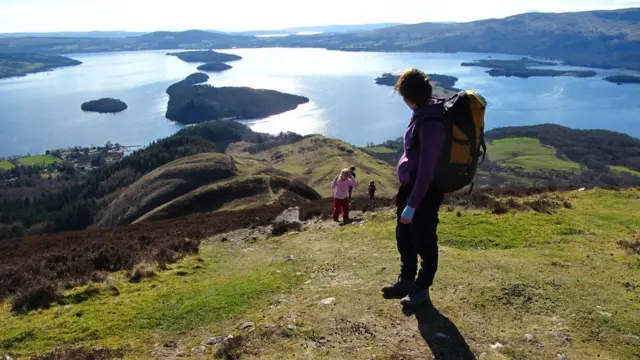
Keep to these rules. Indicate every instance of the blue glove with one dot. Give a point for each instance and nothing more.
(407, 215)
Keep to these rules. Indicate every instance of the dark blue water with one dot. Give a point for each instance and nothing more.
(42, 111)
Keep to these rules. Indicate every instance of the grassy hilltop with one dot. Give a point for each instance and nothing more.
(538, 283)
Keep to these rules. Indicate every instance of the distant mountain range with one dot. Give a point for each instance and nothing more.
(122, 34)
(604, 39)
(329, 29)
(76, 34)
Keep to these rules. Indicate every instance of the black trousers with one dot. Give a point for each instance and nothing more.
(419, 237)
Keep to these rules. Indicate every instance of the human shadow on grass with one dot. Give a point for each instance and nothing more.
(441, 334)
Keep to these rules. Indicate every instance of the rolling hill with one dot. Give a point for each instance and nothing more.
(592, 38)
(165, 184)
(316, 160)
(239, 193)
(295, 172)
(548, 155)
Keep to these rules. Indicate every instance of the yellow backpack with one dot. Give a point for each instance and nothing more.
(463, 120)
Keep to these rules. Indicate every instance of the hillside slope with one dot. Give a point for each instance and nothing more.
(235, 194)
(202, 183)
(317, 160)
(522, 285)
(165, 184)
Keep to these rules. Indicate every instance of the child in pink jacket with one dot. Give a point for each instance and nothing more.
(341, 197)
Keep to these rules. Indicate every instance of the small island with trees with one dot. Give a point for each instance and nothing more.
(191, 104)
(22, 64)
(214, 67)
(105, 106)
(213, 60)
(623, 79)
(443, 85)
(521, 68)
(208, 56)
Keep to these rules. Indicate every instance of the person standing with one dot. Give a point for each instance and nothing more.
(342, 183)
(418, 201)
(352, 172)
(372, 190)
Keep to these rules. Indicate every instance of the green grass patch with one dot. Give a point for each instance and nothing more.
(560, 277)
(6, 165)
(380, 150)
(213, 293)
(622, 169)
(529, 154)
(41, 160)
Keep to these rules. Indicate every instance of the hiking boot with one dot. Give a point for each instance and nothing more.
(399, 289)
(418, 298)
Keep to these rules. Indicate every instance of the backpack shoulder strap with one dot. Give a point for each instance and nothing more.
(415, 142)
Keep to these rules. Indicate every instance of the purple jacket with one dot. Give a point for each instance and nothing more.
(418, 166)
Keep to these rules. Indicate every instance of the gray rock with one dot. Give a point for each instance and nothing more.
(181, 354)
(7, 357)
(328, 301)
(528, 337)
(291, 258)
(213, 341)
(561, 356)
(292, 316)
(269, 325)
(247, 326)
(200, 350)
(291, 327)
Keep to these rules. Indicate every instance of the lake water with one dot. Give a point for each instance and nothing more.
(42, 111)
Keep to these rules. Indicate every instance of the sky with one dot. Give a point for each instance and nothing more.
(240, 15)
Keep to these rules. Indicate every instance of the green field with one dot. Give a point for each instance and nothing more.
(561, 277)
(42, 160)
(622, 169)
(529, 154)
(380, 150)
(5, 165)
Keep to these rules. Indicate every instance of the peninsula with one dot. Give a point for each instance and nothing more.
(191, 104)
(22, 64)
(105, 106)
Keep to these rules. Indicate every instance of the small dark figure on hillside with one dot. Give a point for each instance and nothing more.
(342, 184)
(372, 190)
(418, 200)
(352, 172)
